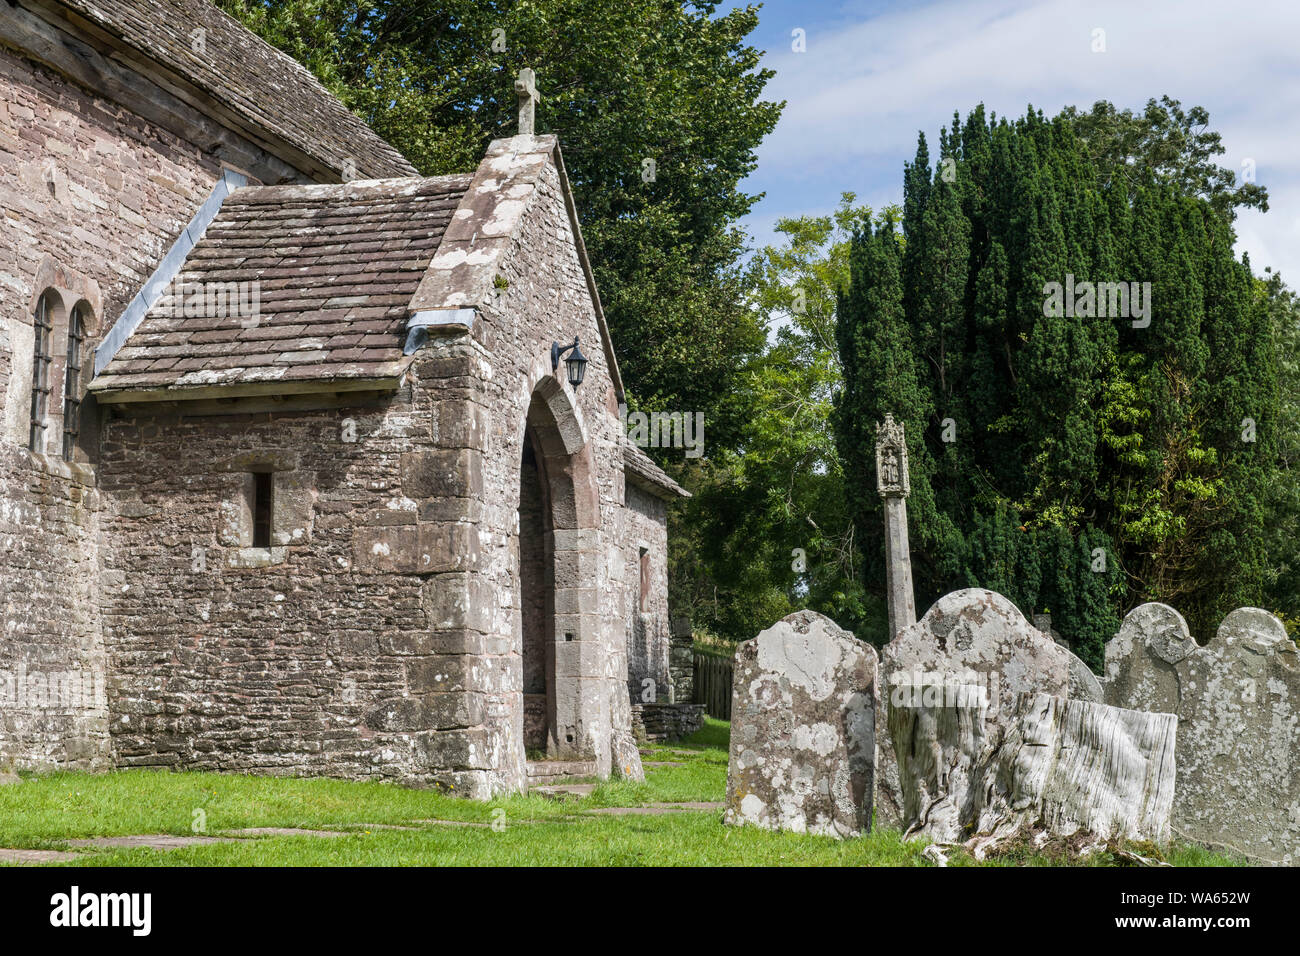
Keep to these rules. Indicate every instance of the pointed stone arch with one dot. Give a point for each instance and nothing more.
(559, 634)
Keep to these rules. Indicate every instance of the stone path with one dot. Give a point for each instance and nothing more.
(656, 809)
(30, 857)
(148, 841)
(283, 831)
(167, 841)
(564, 791)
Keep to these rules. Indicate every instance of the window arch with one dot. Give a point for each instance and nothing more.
(42, 326)
(77, 323)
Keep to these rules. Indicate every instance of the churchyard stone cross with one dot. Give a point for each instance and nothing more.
(526, 90)
(893, 484)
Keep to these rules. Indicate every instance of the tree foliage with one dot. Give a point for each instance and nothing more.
(1077, 460)
(769, 530)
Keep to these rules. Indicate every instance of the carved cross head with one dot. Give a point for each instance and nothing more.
(526, 90)
(891, 459)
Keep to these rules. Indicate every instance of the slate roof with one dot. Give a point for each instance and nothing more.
(335, 266)
(263, 86)
(644, 473)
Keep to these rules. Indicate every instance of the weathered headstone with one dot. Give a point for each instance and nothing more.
(803, 733)
(894, 485)
(1238, 706)
(1058, 766)
(972, 638)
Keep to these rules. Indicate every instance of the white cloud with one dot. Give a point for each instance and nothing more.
(857, 98)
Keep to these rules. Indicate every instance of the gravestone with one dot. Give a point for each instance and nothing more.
(975, 639)
(1058, 766)
(1238, 706)
(803, 729)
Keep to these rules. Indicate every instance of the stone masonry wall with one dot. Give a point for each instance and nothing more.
(648, 635)
(91, 196)
(53, 705)
(313, 656)
(377, 637)
(542, 298)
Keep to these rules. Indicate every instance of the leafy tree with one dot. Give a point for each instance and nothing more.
(1283, 502)
(1076, 459)
(1165, 144)
(768, 530)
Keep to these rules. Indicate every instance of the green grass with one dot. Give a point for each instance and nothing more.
(44, 811)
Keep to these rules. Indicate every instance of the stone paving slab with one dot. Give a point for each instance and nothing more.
(456, 823)
(167, 841)
(31, 857)
(150, 841)
(656, 809)
(564, 790)
(282, 831)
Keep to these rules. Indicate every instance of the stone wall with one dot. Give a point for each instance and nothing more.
(91, 197)
(313, 656)
(53, 708)
(662, 722)
(648, 633)
(681, 659)
(542, 297)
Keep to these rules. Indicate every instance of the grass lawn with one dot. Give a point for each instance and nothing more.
(44, 811)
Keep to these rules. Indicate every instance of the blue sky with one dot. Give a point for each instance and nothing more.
(874, 74)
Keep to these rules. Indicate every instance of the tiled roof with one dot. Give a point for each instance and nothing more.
(334, 267)
(645, 473)
(249, 77)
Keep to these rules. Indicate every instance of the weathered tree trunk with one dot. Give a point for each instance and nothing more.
(1061, 766)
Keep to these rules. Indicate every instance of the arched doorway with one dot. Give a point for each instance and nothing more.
(536, 604)
(558, 629)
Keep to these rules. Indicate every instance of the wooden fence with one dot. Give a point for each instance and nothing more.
(713, 684)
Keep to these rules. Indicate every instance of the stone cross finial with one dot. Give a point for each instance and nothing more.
(526, 90)
(893, 484)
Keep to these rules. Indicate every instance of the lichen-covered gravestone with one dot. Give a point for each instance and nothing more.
(1058, 766)
(973, 638)
(1238, 706)
(803, 735)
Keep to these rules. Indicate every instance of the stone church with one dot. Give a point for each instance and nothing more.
(301, 471)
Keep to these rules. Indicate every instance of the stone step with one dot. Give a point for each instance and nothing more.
(558, 771)
(564, 791)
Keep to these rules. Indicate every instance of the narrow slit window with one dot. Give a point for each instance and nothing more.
(72, 383)
(40, 374)
(645, 580)
(262, 509)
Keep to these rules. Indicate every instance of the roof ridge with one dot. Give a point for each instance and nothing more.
(252, 79)
(381, 189)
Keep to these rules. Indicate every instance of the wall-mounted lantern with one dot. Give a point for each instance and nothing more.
(576, 364)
